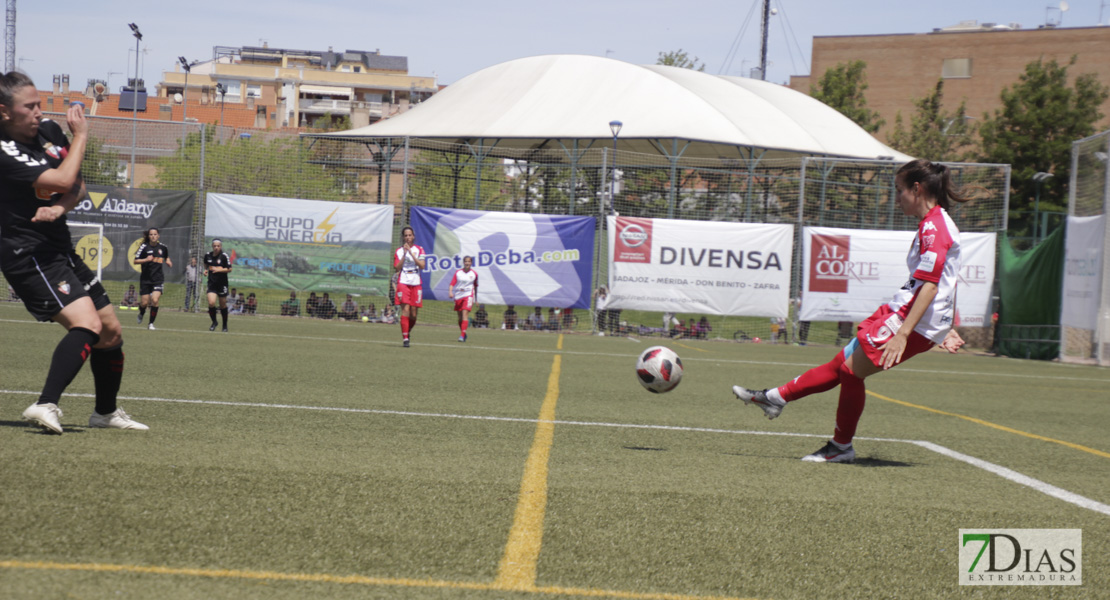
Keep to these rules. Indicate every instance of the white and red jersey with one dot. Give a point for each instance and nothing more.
(410, 271)
(465, 283)
(934, 256)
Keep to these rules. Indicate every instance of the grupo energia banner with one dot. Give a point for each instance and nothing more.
(848, 273)
(521, 259)
(125, 215)
(1083, 271)
(306, 245)
(700, 267)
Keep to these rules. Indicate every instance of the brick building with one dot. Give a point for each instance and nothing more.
(976, 62)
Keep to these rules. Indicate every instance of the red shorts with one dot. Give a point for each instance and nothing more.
(462, 304)
(413, 295)
(877, 329)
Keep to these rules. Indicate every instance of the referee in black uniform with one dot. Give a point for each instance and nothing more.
(218, 265)
(40, 181)
(152, 254)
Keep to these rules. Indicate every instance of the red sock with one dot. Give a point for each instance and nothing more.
(405, 327)
(462, 326)
(848, 411)
(816, 380)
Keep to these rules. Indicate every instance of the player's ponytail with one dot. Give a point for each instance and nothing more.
(936, 178)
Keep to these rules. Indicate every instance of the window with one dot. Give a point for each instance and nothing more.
(345, 68)
(956, 68)
(358, 69)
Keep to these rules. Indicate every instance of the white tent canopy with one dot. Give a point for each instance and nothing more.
(529, 102)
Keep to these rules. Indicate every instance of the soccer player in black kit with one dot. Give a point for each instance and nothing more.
(218, 265)
(40, 181)
(152, 254)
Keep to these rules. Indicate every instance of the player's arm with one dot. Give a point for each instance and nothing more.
(454, 282)
(418, 257)
(399, 259)
(65, 176)
(61, 206)
(896, 345)
(138, 260)
(169, 263)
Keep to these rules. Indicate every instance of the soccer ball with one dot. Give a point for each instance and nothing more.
(366, 319)
(659, 369)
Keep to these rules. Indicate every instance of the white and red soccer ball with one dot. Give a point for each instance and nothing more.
(659, 369)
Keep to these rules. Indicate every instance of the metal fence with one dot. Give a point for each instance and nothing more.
(580, 177)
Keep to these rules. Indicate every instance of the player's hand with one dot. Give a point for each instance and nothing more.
(76, 120)
(952, 342)
(48, 214)
(892, 351)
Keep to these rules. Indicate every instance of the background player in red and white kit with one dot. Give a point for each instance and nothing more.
(918, 317)
(40, 181)
(464, 289)
(408, 260)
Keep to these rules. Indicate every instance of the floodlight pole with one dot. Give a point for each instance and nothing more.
(765, 31)
(185, 102)
(615, 127)
(1039, 179)
(222, 91)
(135, 103)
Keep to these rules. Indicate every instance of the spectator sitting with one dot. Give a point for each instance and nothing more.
(349, 310)
(508, 318)
(239, 307)
(552, 320)
(312, 305)
(679, 331)
(481, 317)
(130, 298)
(568, 318)
(233, 297)
(703, 329)
(326, 308)
(535, 320)
(252, 304)
(387, 315)
(372, 312)
(291, 307)
(691, 329)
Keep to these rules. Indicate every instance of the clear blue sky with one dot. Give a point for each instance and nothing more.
(452, 38)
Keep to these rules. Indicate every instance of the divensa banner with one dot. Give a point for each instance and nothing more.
(306, 245)
(521, 259)
(700, 267)
(848, 273)
(126, 214)
(1083, 271)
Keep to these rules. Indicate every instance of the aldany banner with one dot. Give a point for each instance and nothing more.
(848, 273)
(303, 244)
(125, 215)
(700, 267)
(521, 259)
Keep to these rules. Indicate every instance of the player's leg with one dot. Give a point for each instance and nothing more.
(464, 321)
(223, 309)
(106, 362)
(155, 295)
(82, 326)
(853, 397)
(144, 301)
(213, 299)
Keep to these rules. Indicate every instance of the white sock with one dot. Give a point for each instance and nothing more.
(774, 395)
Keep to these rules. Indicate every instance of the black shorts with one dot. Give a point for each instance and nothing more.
(47, 283)
(146, 288)
(219, 290)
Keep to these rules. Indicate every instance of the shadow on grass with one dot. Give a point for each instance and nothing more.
(33, 428)
(644, 448)
(859, 462)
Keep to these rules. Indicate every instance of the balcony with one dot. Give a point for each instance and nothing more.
(337, 107)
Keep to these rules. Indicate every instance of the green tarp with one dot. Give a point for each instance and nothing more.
(1029, 283)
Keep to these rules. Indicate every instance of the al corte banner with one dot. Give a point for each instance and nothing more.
(306, 245)
(521, 259)
(700, 267)
(848, 273)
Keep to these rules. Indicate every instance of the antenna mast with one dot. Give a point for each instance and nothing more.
(9, 38)
(763, 39)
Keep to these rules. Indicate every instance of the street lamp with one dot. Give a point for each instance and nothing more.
(185, 95)
(135, 101)
(615, 127)
(1039, 179)
(221, 90)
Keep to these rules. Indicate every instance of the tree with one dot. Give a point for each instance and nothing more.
(934, 133)
(842, 88)
(1040, 117)
(101, 166)
(679, 58)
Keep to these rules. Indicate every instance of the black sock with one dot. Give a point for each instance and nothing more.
(153, 314)
(69, 356)
(223, 313)
(212, 313)
(142, 311)
(107, 369)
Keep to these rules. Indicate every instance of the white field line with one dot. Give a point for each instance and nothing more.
(1005, 473)
(686, 359)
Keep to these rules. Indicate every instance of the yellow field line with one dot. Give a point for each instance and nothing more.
(345, 579)
(690, 347)
(996, 426)
(517, 570)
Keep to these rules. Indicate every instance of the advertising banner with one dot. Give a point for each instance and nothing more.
(521, 259)
(125, 215)
(700, 267)
(1083, 271)
(305, 245)
(848, 273)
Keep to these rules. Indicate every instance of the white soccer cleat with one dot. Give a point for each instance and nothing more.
(150, 327)
(832, 452)
(115, 420)
(46, 416)
(771, 407)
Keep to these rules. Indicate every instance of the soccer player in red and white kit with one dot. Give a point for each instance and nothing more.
(408, 260)
(918, 317)
(464, 289)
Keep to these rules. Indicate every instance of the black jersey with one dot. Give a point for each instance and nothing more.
(217, 260)
(152, 271)
(20, 166)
